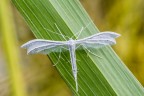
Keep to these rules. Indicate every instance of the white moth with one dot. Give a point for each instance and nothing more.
(97, 40)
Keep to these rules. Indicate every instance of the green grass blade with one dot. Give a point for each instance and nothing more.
(102, 77)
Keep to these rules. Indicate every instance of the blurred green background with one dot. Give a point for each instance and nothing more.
(38, 76)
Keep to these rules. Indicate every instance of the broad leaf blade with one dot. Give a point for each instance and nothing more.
(106, 76)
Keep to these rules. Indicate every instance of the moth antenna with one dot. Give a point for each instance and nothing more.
(54, 32)
(82, 29)
(79, 33)
(60, 32)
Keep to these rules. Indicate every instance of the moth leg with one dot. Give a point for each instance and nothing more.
(78, 60)
(59, 57)
(60, 32)
(91, 52)
(82, 29)
(68, 61)
(78, 46)
(64, 48)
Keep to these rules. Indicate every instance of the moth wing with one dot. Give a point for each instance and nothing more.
(99, 40)
(44, 46)
(46, 49)
(101, 35)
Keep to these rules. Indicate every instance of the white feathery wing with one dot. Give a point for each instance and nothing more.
(98, 40)
(46, 46)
